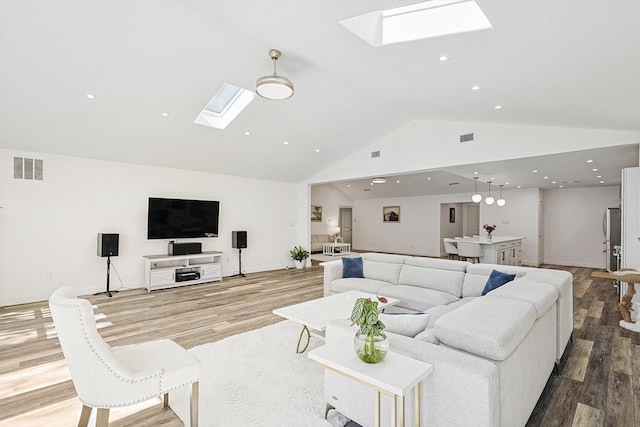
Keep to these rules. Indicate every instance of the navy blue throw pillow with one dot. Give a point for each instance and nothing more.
(352, 267)
(497, 279)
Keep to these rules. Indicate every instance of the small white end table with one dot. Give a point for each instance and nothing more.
(333, 249)
(395, 376)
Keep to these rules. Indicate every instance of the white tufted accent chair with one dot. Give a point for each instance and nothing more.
(106, 377)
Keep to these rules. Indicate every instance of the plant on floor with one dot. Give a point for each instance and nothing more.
(370, 343)
(299, 253)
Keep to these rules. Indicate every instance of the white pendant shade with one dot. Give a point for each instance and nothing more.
(489, 200)
(476, 198)
(501, 202)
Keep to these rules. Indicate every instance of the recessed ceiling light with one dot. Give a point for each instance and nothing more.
(601, 182)
(598, 176)
(317, 150)
(498, 107)
(476, 87)
(554, 182)
(247, 133)
(475, 173)
(428, 177)
(90, 96)
(506, 183)
(398, 182)
(286, 143)
(519, 186)
(546, 177)
(443, 58)
(417, 21)
(164, 114)
(535, 171)
(595, 169)
(349, 185)
(589, 161)
(560, 186)
(378, 180)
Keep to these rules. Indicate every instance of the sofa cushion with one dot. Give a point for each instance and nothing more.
(432, 278)
(407, 324)
(541, 295)
(415, 298)
(428, 335)
(477, 274)
(383, 267)
(440, 310)
(353, 283)
(497, 279)
(352, 267)
(491, 327)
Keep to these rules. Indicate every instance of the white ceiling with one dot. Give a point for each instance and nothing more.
(568, 63)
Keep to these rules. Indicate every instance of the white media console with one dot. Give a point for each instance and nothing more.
(170, 271)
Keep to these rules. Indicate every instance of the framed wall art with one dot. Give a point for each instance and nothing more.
(391, 214)
(316, 213)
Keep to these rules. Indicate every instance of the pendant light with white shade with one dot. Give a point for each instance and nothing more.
(476, 197)
(501, 201)
(489, 200)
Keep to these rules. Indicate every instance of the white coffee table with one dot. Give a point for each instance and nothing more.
(336, 249)
(395, 376)
(315, 314)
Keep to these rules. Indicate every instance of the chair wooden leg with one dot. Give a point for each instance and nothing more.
(194, 403)
(102, 418)
(84, 416)
(165, 400)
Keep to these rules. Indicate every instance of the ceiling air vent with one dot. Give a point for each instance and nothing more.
(24, 168)
(375, 154)
(466, 137)
(454, 183)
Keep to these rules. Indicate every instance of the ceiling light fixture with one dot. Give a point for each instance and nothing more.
(476, 87)
(489, 200)
(476, 197)
(498, 107)
(274, 87)
(501, 201)
(378, 180)
(443, 58)
(90, 96)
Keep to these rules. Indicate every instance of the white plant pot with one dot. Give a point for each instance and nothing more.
(300, 264)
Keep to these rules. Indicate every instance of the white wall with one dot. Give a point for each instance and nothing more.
(331, 199)
(418, 232)
(431, 144)
(50, 226)
(573, 225)
(631, 218)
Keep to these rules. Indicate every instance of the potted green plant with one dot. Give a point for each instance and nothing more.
(299, 255)
(370, 343)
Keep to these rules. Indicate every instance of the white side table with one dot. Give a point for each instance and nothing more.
(395, 376)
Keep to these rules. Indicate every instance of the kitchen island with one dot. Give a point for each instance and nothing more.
(504, 250)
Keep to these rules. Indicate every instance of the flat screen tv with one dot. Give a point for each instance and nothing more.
(179, 218)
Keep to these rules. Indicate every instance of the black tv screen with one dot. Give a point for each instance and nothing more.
(179, 218)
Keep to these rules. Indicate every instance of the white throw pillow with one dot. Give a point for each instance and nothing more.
(407, 324)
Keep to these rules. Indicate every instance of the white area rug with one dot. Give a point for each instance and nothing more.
(257, 379)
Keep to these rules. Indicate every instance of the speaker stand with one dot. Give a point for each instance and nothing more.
(108, 292)
(240, 273)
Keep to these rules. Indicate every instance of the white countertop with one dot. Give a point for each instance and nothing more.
(495, 239)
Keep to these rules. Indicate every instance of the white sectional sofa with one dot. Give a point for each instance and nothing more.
(492, 354)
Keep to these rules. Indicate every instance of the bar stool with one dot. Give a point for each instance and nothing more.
(469, 250)
(450, 247)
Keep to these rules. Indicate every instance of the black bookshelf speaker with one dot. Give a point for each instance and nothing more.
(239, 239)
(108, 244)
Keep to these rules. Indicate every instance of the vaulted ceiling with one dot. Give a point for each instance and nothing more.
(566, 63)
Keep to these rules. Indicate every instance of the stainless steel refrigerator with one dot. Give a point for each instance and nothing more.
(611, 229)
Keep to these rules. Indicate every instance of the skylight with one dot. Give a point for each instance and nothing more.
(417, 21)
(226, 104)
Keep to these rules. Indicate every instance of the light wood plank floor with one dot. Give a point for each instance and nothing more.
(599, 385)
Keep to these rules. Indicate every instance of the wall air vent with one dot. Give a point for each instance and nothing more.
(24, 168)
(466, 137)
(454, 183)
(366, 189)
(375, 154)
